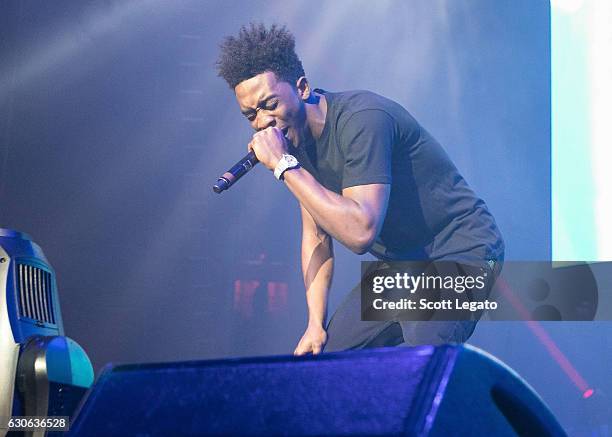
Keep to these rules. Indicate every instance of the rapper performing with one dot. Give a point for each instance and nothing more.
(278, 218)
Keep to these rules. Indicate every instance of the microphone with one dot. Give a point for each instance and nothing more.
(231, 176)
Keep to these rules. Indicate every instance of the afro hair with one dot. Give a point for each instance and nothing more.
(257, 49)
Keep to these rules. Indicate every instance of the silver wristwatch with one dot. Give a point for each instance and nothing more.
(287, 162)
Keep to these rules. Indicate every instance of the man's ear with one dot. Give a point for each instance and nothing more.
(303, 88)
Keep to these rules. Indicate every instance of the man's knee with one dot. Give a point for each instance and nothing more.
(437, 332)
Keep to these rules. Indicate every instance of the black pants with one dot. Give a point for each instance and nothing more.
(347, 331)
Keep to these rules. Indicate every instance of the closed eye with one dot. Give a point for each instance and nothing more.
(268, 105)
(271, 105)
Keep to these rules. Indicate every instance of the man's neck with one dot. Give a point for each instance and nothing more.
(315, 115)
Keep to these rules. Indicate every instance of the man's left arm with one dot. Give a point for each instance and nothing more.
(353, 218)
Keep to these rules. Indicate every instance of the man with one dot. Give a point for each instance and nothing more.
(365, 174)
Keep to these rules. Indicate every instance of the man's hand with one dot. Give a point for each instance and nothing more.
(312, 341)
(269, 145)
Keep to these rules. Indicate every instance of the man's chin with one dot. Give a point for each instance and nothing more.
(288, 136)
(295, 137)
(291, 138)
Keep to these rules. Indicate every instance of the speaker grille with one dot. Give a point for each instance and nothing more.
(35, 287)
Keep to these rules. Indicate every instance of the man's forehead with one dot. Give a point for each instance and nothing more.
(251, 91)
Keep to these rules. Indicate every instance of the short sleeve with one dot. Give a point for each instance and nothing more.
(366, 141)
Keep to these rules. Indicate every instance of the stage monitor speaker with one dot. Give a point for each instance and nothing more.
(424, 391)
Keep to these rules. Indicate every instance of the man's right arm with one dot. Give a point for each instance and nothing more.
(317, 268)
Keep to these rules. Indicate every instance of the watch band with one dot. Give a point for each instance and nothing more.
(286, 162)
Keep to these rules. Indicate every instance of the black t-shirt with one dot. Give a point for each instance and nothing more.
(432, 213)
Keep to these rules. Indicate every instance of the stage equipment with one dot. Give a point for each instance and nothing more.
(546, 291)
(424, 391)
(51, 370)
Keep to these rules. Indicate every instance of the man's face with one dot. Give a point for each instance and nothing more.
(268, 102)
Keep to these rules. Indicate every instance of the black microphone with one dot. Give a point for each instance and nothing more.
(241, 168)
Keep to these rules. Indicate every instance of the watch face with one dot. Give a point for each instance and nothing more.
(291, 161)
